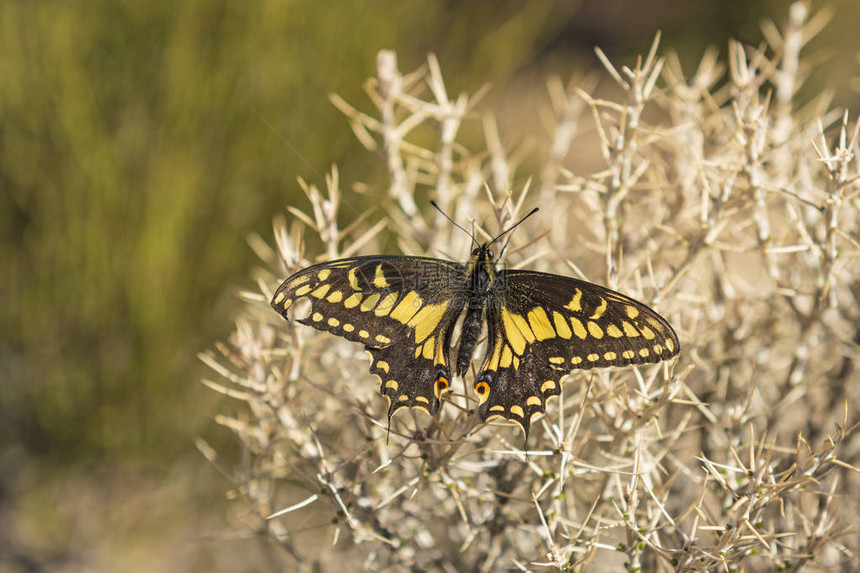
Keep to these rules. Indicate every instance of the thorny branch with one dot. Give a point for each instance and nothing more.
(722, 213)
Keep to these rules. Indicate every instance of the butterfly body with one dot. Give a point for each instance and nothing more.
(539, 327)
(482, 274)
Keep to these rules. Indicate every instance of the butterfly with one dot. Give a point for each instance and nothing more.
(539, 326)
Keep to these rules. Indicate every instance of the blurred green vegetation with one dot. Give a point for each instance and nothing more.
(140, 142)
(136, 154)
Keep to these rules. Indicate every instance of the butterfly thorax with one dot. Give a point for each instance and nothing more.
(481, 272)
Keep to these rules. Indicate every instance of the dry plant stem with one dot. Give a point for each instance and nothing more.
(451, 116)
(390, 89)
(751, 118)
(567, 112)
(620, 149)
(789, 44)
(836, 167)
(693, 466)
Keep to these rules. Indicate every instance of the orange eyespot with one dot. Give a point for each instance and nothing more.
(482, 388)
(440, 386)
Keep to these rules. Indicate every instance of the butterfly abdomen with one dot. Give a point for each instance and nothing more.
(469, 336)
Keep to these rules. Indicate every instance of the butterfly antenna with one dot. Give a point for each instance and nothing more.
(504, 247)
(438, 208)
(512, 227)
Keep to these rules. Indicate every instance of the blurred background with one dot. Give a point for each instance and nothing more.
(142, 142)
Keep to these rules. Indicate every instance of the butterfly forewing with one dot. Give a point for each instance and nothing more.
(403, 309)
(541, 326)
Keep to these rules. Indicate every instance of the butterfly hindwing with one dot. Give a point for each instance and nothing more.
(401, 308)
(541, 326)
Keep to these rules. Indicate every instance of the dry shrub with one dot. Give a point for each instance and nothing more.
(734, 213)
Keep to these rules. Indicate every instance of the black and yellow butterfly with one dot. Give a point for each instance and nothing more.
(540, 326)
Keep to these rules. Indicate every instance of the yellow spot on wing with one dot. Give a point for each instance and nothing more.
(353, 280)
(379, 278)
(533, 401)
(670, 345)
(628, 354)
(288, 304)
(575, 360)
(629, 329)
(593, 357)
(298, 281)
(540, 324)
(382, 339)
(352, 300)
(383, 365)
(598, 312)
(610, 356)
(517, 411)
(614, 331)
(348, 327)
(386, 304)
(363, 333)
(523, 325)
(321, 291)
(507, 357)
(440, 357)
(493, 362)
(317, 317)
(557, 359)
(392, 384)
(422, 399)
(658, 349)
(403, 398)
(279, 297)
(632, 311)
(323, 274)
(647, 332)
(369, 302)
(548, 386)
(425, 320)
(303, 290)
(497, 408)
(594, 329)
(514, 336)
(655, 323)
(575, 303)
(428, 348)
(578, 329)
(333, 322)
(407, 307)
(561, 326)
(336, 296)
(644, 352)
